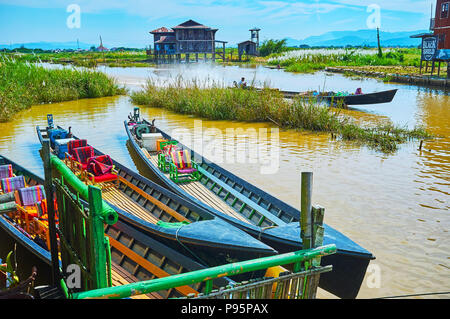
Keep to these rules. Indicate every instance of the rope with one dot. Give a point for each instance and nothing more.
(190, 251)
(416, 295)
(262, 229)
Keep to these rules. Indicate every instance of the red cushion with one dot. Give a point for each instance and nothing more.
(100, 165)
(104, 178)
(82, 154)
(75, 144)
(187, 171)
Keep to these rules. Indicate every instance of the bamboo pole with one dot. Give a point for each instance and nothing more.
(232, 269)
(48, 186)
(98, 237)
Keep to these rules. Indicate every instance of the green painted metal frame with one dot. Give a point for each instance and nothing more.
(178, 178)
(81, 236)
(207, 275)
(167, 166)
(82, 240)
(107, 214)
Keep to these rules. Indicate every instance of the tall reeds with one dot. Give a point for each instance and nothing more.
(23, 84)
(217, 102)
(311, 60)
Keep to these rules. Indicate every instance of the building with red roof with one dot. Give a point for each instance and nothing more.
(187, 38)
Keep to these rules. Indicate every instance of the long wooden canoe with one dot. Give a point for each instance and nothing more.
(135, 255)
(353, 99)
(261, 215)
(175, 221)
(339, 99)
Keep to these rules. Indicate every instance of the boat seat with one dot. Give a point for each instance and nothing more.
(6, 171)
(30, 196)
(82, 155)
(164, 159)
(11, 184)
(101, 169)
(169, 147)
(182, 168)
(75, 144)
(32, 200)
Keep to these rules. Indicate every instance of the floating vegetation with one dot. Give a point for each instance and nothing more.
(218, 102)
(23, 84)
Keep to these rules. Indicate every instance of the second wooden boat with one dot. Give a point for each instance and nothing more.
(348, 99)
(341, 98)
(135, 256)
(163, 215)
(243, 205)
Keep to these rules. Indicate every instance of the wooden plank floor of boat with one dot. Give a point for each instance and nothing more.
(203, 194)
(111, 194)
(120, 277)
(119, 199)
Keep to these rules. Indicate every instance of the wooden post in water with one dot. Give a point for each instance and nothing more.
(312, 230)
(306, 222)
(48, 186)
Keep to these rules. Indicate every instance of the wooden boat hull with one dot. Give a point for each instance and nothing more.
(124, 256)
(362, 99)
(349, 263)
(366, 99)
(196, 239)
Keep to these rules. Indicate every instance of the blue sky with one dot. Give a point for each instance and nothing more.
(127, 23)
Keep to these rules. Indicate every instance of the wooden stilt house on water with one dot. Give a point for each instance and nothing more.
(188, 38)
(250, 47)
(436, 43)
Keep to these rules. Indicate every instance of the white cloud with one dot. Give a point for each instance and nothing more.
(408, 6)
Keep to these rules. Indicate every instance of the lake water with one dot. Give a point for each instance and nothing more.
(396, 205)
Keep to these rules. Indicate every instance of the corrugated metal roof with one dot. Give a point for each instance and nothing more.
(162, 30)
(166, 39)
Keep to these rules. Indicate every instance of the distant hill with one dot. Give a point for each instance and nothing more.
(47, 45)
(359, 38)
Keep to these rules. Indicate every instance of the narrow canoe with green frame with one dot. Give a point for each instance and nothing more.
(171, 219)
(253, 210)
(134, 256)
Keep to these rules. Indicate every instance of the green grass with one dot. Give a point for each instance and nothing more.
(86, 58)
(306, 61)
(23, 84)
(220, 103)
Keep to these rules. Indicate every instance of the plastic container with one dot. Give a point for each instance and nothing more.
(61, 146)
(149, 141)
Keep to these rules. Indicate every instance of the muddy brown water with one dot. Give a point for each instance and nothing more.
(396, 206)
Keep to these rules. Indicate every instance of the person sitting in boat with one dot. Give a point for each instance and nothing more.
(242, 84)
(358, 91)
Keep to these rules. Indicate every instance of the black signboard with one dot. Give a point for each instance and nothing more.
(429, 48)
